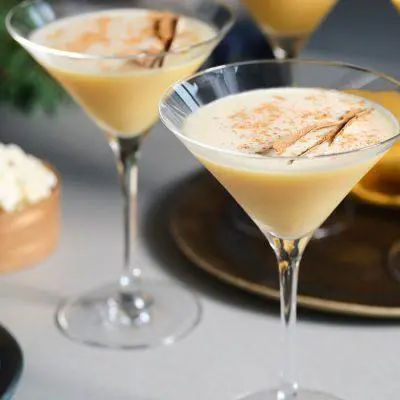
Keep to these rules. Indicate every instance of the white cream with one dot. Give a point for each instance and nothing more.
(24, 179)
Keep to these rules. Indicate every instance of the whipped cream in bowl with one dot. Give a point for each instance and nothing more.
(24, 179)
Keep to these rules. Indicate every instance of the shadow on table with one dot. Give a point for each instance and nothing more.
(49, 387)
(28, 294)
(158, 239)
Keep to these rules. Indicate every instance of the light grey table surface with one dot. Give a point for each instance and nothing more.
(235, 349)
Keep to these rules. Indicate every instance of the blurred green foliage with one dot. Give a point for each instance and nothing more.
(24, 84)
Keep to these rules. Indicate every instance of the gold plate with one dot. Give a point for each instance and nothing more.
(347, 274)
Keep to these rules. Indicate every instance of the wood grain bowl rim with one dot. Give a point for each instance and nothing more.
(55, 196)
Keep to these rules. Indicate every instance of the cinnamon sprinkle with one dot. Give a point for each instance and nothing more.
(99, 35)
(339, 126)
(264, 150)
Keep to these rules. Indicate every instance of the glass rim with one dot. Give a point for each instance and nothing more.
(336, 64)
(25, 42)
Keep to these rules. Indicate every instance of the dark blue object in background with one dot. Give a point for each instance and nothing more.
(243, 42)
(11, 364)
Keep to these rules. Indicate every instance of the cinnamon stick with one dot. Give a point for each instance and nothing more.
(346, 120)
(281, 145)
(165, 29)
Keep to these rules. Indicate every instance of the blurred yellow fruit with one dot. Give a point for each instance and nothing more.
(382, 184)
(389, 167)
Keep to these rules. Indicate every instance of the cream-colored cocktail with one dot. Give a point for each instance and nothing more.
(289, 17)
(289, 23)
(293, 199)
(122, 94)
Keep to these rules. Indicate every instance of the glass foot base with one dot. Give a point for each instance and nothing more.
(301, 395)
(161, 314)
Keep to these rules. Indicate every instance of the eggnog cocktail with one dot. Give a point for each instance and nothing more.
(120, 93)
(116, 58)
(289, 17)
(293, 199)
(288, 23)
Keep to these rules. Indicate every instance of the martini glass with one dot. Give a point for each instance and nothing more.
(123, 101)
(287, 24)
(289, 216)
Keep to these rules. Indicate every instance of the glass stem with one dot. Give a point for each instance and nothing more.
(289, 254)
(285, 47)
(126, 151)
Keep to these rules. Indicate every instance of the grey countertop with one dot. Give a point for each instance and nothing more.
(235, 348)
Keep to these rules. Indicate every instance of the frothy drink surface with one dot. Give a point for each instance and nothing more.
(290, 122)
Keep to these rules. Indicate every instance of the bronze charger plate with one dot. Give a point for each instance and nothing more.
(355, 273)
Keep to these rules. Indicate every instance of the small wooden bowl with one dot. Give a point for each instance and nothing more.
(31, 234)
